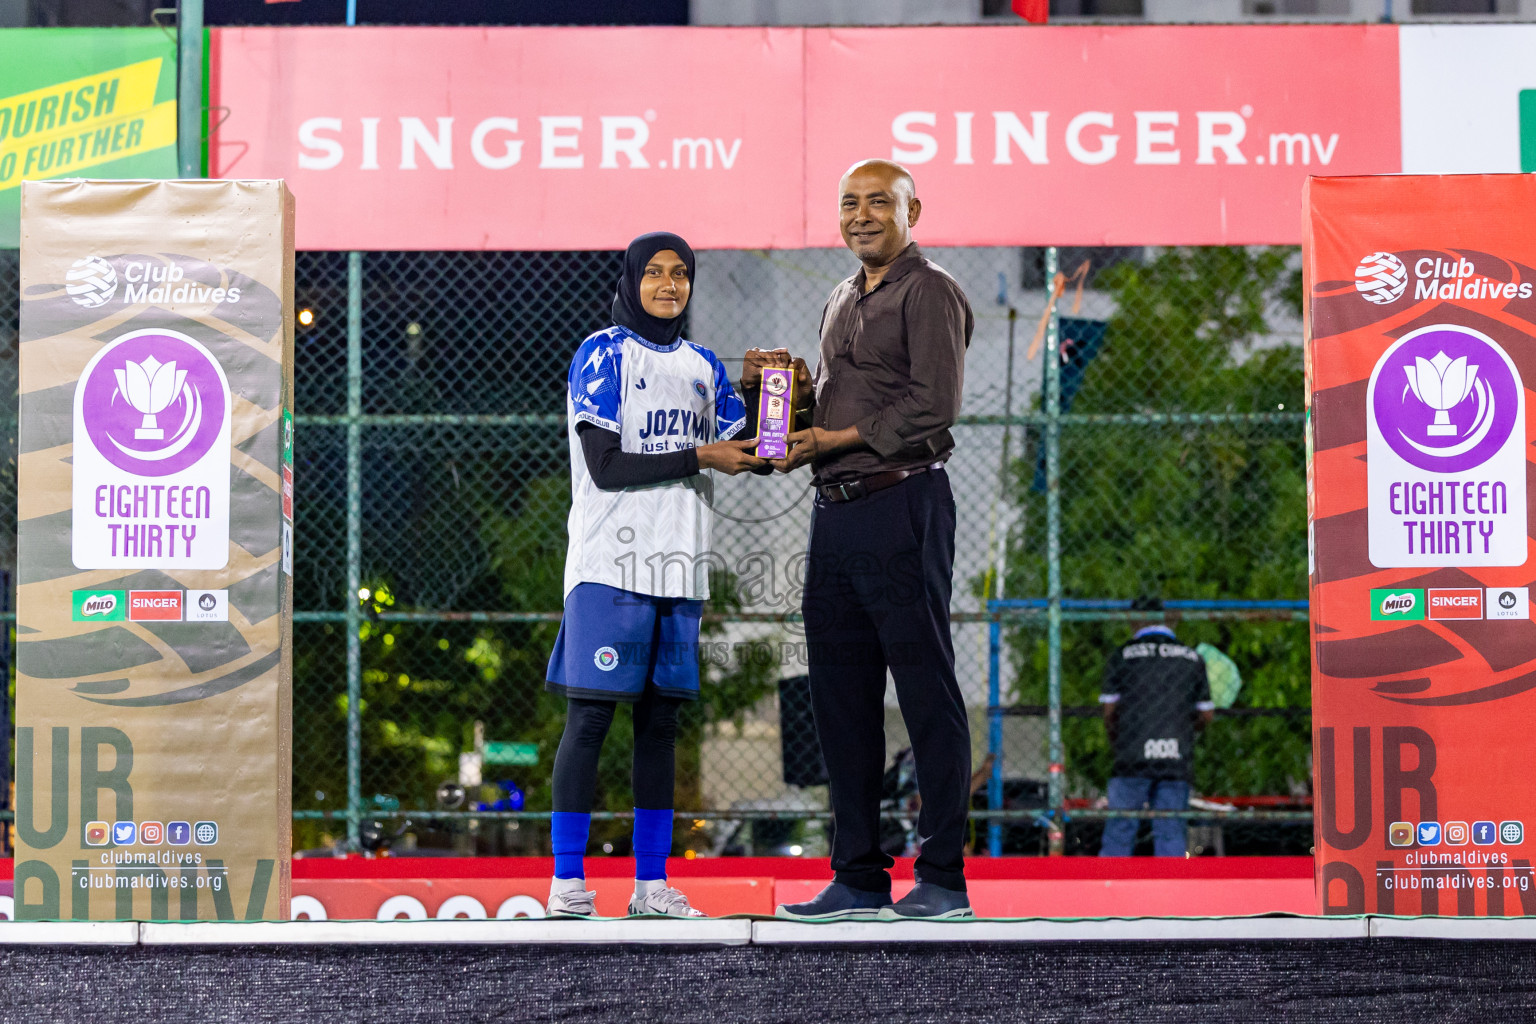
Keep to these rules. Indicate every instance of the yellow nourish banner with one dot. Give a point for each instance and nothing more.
(64, 153)
(78, 100)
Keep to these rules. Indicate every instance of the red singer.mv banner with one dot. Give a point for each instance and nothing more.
(564, 138)
(1421, 344)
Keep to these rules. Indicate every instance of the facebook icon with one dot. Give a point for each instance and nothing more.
(1484, 833)
(178, 833)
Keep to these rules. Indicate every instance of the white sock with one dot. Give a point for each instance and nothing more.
(644, 887)
(567, 885)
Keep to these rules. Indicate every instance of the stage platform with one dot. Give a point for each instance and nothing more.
(1276, 968)
(1007, 887)
(461, 953)
(753, 931)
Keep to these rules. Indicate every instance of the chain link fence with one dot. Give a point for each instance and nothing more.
(432, 486)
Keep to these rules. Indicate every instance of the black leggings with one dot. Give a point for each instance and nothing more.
(655, 768)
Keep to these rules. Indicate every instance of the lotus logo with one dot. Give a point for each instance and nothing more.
(91, 282)
(101, 604)
(1381, 278)
(1398, 604)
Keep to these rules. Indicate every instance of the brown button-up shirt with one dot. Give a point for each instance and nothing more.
(892, 364)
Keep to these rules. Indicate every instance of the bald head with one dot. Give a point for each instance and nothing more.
(895, 175)
(878, 205)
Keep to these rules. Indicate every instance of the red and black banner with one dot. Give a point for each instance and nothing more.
(1421, 344)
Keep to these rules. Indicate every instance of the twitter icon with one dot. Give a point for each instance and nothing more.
(1429, 833)
(122, 833)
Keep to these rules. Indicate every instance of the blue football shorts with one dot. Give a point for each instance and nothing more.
(613, 642)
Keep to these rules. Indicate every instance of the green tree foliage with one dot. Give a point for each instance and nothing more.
(1182, 510)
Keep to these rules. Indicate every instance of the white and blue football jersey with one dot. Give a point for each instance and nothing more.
(652, 539)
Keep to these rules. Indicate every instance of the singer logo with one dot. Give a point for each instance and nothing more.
(155, 605)
(1456, 604)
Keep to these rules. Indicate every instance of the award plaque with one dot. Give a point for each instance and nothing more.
(775, 411)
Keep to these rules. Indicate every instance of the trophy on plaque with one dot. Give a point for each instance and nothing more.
(775, 411)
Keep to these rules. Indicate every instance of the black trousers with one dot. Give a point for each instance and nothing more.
(876, 599)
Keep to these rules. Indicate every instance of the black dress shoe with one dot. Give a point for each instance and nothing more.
(838, 901)
(929, 902)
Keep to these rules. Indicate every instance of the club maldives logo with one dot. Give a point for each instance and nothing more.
(1445, 399)
(606, 659)
(154, 402)
(1381, 278)
(91, 282)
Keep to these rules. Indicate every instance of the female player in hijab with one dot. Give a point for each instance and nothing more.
(647, 411)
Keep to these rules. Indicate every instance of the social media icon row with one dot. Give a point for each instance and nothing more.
(151, 833)
(1456, 833)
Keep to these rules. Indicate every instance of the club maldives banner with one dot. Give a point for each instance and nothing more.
(529, 138)
(154, 574)
(73, 101)
(1420, 353)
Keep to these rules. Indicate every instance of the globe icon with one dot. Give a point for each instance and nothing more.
(1381, 278)
(206, 832)
(91, 282)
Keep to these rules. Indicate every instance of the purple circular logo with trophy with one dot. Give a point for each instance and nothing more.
(1445, 399)
(153, 402)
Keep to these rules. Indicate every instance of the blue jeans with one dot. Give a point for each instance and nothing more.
(1169, 835)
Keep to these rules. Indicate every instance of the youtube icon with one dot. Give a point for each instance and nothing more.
(1459, 603)
(154, 605)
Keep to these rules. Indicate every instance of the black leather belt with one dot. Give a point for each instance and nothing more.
(853, 490)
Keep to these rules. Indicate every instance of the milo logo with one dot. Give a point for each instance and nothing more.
(1397, 604)
(100, 606)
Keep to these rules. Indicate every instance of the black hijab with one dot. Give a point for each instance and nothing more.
(627, 310)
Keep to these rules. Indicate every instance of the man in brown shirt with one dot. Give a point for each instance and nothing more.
(882, 546)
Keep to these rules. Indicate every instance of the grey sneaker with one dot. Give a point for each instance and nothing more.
(573, 903)
(837, 901)
(929, 902)
(666, 902)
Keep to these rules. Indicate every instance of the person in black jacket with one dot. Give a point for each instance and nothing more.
(1156, 698)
